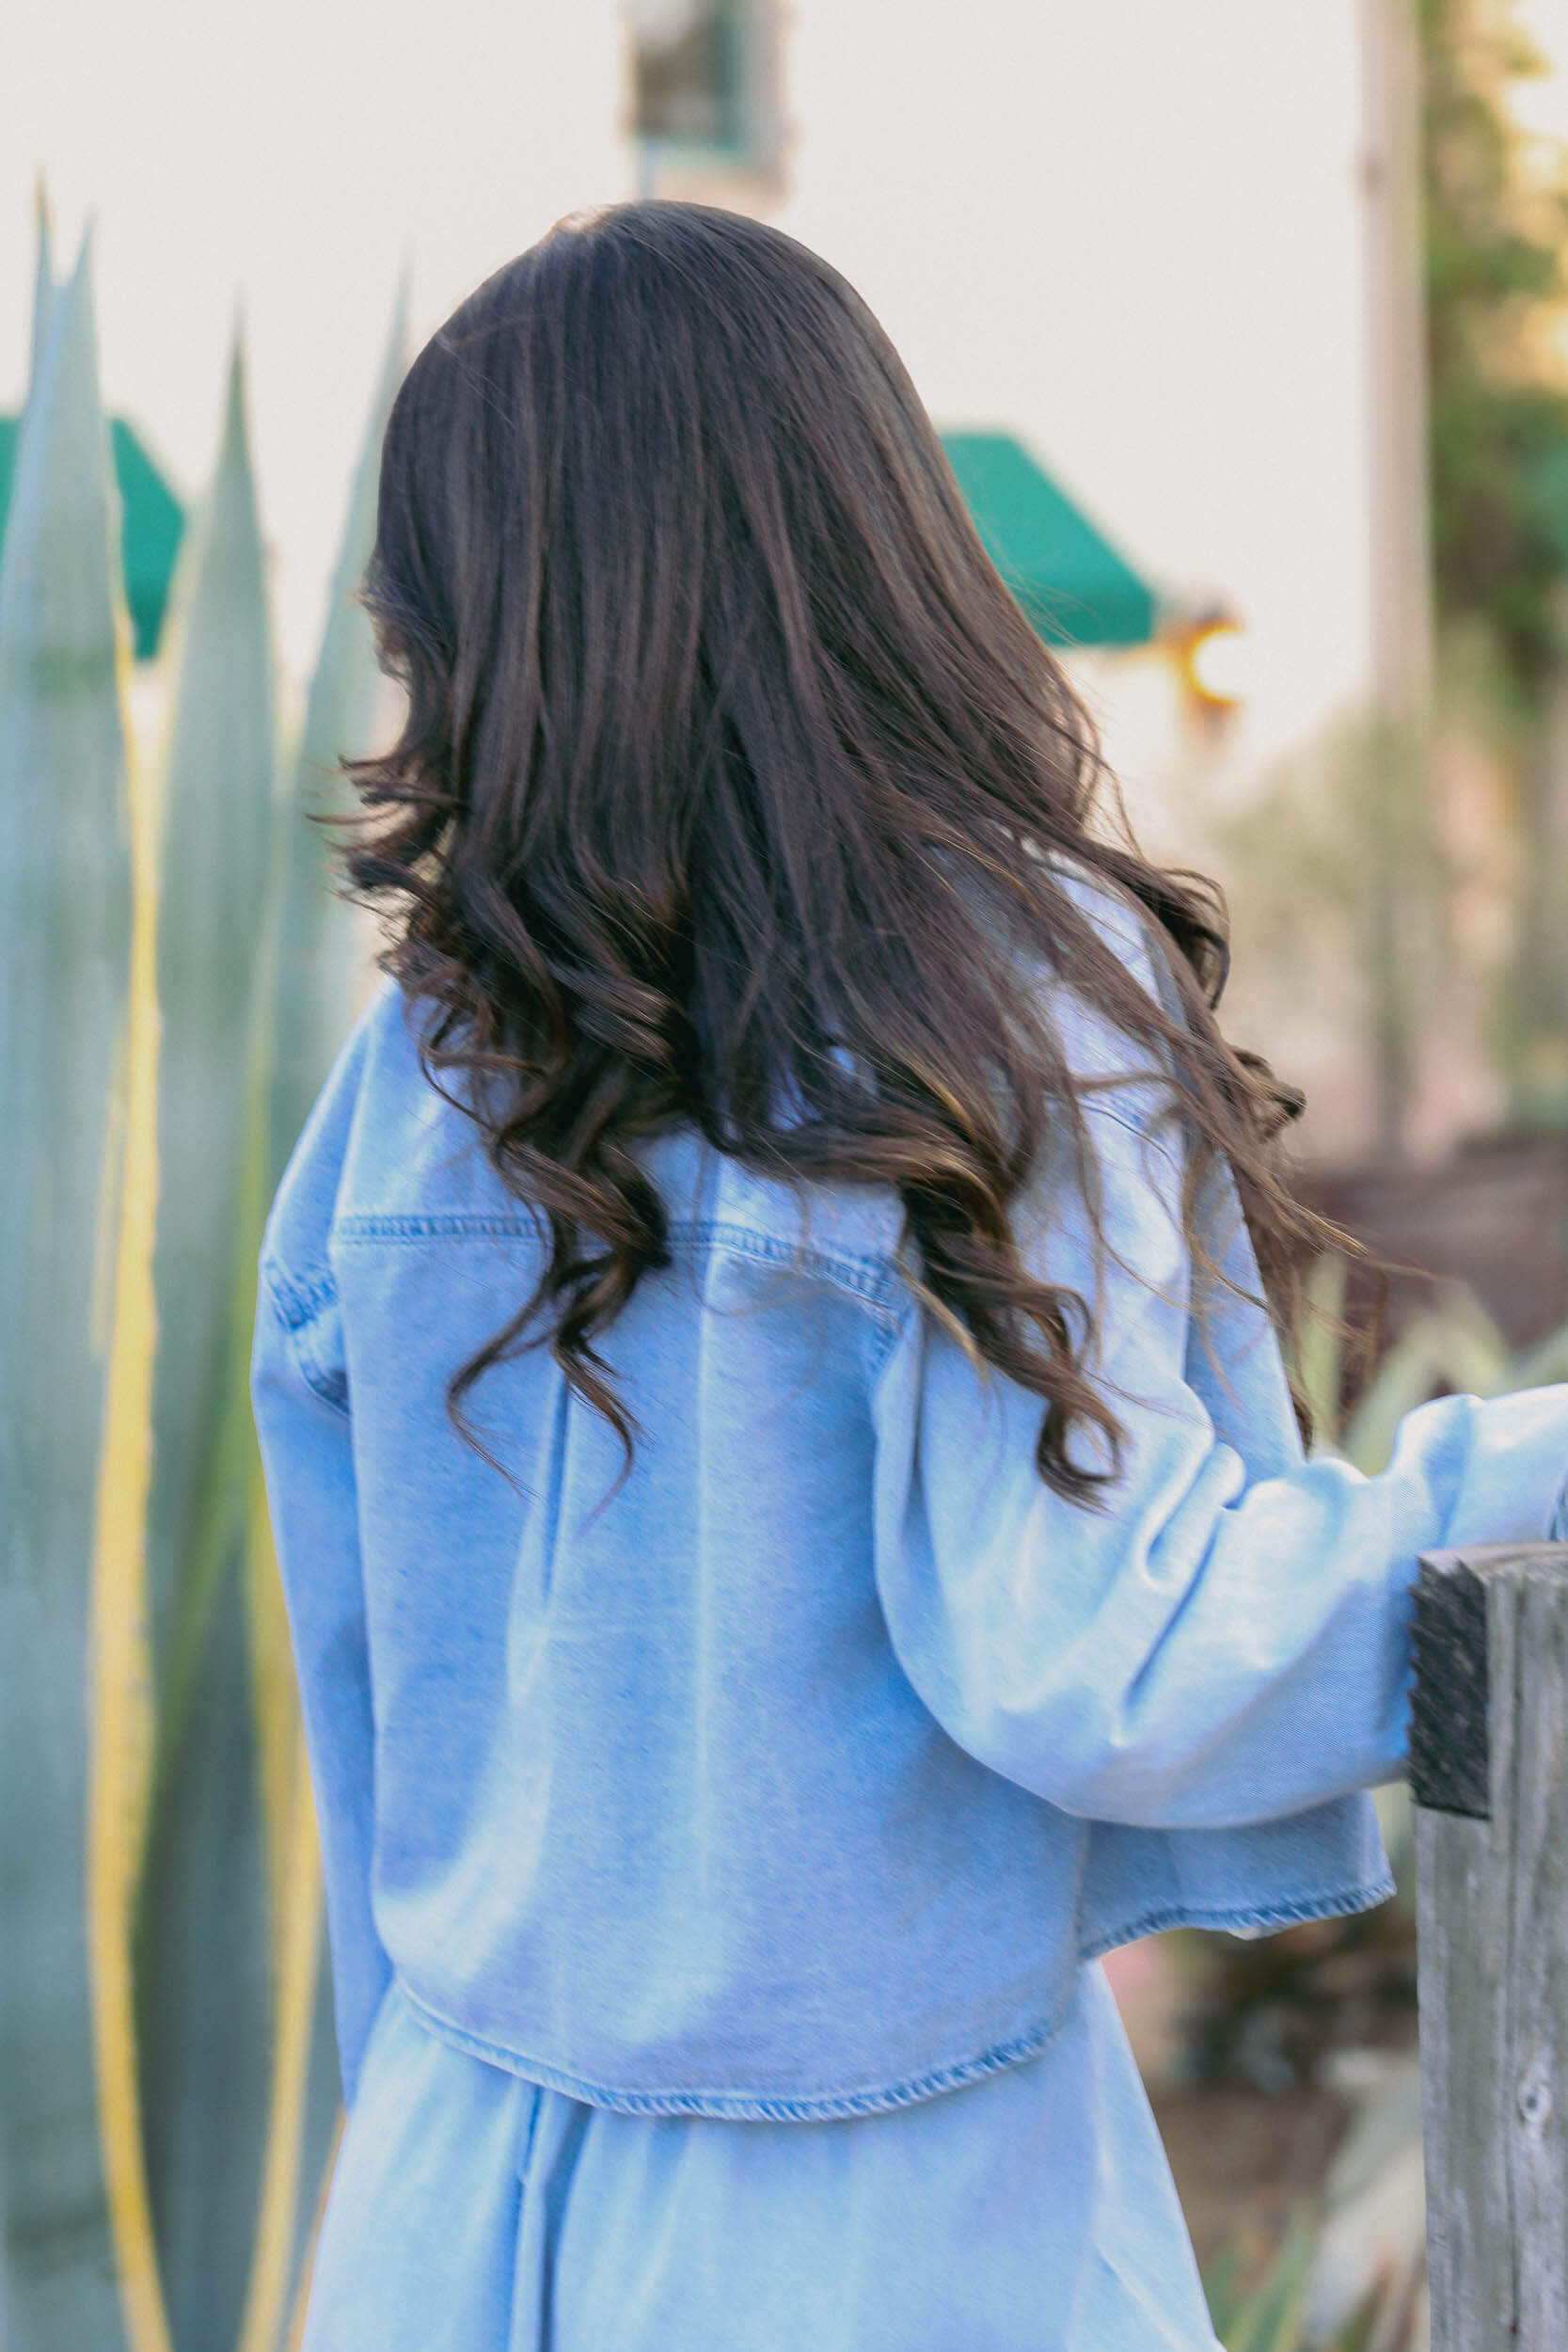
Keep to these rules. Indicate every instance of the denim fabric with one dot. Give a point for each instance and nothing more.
(795, 1774)
(1033, 2212)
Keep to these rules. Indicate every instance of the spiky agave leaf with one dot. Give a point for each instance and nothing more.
(318, 954)
(215, 830)
(313, 966)
(43, 280)
(204, 1994)
(65, 944)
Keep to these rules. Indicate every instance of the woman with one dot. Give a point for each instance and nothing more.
(794, 1528)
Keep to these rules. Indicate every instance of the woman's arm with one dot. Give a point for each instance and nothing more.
(1210, 1648)
(301, 1403)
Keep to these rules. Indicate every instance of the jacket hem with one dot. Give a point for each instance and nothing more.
(1334, 1903)
(739, 2105)
(823, 2106)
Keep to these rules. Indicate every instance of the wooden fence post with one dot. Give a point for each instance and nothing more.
(1489, 1776)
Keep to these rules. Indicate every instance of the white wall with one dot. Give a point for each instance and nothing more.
(1126, 227)
(1130, 228)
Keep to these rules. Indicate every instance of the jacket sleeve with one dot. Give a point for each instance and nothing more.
(300, 1397)
(1210, 1648)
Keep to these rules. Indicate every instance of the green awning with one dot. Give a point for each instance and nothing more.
(152, 520)
(1075, 587)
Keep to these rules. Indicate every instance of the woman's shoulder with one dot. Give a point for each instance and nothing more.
(387, 1153)
(1122, 922)
(305, 1202)
(387, 1156)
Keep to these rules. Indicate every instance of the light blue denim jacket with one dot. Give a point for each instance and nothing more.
(797, 1775)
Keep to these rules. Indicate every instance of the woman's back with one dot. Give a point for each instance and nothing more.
(793, 1527)
(659, 1815)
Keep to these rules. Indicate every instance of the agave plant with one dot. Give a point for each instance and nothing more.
(176, 974)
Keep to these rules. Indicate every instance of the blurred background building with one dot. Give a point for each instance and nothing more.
(1167, 266)
(1131, 237)
(1148, 245)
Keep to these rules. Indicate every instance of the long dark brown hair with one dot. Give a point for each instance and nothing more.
(732, 786)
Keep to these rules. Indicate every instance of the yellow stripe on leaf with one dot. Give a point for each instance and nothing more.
(121, 1707)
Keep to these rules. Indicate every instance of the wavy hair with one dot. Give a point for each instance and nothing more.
(734, 784)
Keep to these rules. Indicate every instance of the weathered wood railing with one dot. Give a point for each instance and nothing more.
(1489, 1774)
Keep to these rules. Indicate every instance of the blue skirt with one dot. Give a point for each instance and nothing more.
(1034, 2211)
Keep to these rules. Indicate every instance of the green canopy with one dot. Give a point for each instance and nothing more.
(152, 520)
(1070, 582)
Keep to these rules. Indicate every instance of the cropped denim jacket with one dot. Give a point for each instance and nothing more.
(796, 1772)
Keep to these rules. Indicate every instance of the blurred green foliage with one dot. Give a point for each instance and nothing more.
(1269, 2314)
(1265, 2013)
(1496, 221)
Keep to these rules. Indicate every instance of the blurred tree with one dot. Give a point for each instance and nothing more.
(1494, 228)
(1495, 205)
